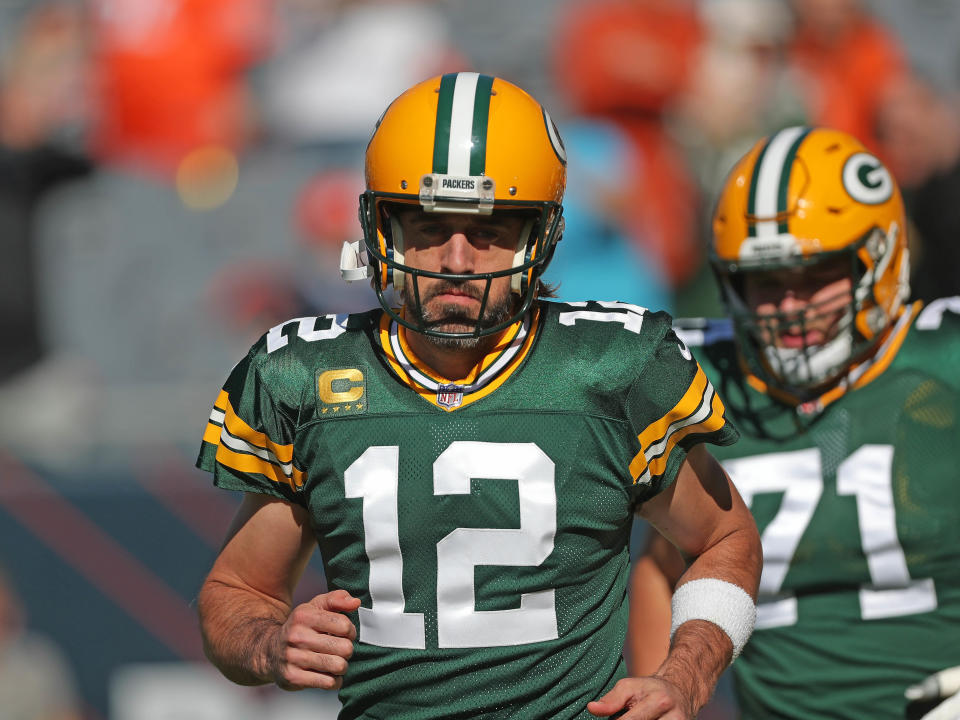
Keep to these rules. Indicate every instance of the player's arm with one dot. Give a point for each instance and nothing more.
(251, 631)
(655, 573)
(704, 516)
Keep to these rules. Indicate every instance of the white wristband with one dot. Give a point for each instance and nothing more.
(724, 604)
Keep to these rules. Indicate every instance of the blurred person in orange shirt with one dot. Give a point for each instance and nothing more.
(845, 58)
(628, 61)
(171, 77)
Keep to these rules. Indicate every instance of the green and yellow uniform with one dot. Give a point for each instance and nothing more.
(484, 525)
(857, 497)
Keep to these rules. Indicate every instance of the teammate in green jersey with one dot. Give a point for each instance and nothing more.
(848, 401)
(470, 463)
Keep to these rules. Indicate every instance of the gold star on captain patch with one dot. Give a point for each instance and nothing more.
(324, 411)
(336, 408)
(359, 406)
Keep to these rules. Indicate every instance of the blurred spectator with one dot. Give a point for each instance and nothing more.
(509, 39)
(845, 58)
(597, 260)
(929, 32)
(919, 131)
(42, 106)
(171, 77)
(740, 89)
(253, 295)
(327, 84)
(326, 217)
(36, 682)
(627, 61)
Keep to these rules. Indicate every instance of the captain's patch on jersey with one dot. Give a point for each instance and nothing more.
(342, 391)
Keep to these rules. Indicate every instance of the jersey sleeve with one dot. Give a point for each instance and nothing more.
(248, 441)
(672, 407)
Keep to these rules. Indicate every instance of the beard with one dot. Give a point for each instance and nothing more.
(455, 319)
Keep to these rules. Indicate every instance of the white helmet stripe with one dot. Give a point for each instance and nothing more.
(461, 124)
(766, 187)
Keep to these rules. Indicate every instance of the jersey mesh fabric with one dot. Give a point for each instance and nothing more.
(570, 417)
(884, 460)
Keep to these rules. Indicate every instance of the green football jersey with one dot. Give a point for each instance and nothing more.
(858, 506)
(483, 524)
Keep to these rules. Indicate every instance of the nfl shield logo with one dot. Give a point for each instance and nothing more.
(449, 396)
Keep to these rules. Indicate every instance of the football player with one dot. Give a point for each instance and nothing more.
(848, 400)
(470, 462)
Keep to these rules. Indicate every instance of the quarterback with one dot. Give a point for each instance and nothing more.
(469, 462)
(848, 400)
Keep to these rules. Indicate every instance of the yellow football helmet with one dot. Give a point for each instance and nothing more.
(460, 143)
(801, 197)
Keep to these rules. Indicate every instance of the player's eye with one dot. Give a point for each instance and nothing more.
(485, 234)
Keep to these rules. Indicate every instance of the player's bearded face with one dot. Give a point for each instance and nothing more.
(436, 311)
(463, 246)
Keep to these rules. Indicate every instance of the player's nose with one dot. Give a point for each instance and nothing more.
(458, 253)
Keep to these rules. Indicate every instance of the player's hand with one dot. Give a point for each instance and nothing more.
(644, 698)
(311, 649)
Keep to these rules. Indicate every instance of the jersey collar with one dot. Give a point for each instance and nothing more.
(512, 346)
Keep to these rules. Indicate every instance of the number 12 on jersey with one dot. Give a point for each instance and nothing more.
(374, 477)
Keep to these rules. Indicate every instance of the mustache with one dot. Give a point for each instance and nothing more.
(463, 288)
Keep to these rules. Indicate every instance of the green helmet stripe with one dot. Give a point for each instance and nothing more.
(441, 135)
(478, 135)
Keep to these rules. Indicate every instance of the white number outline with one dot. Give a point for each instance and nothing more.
(374, 476)
(865, 474)
(306, 330)
(632, 319)
(931, 316)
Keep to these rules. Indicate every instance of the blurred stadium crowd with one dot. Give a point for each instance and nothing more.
(176, 176)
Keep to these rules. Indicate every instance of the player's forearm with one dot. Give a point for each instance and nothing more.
(239, 629)
(728, 573)
(699, 653)
(736, 558)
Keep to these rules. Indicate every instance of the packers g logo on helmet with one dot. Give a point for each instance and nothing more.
(798, 198)
(464, 143)
(867, 180)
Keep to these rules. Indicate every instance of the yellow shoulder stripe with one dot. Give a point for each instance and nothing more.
(239, 429)
(241, 448)
(245, 463)
(699, 410)
(713, 423)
